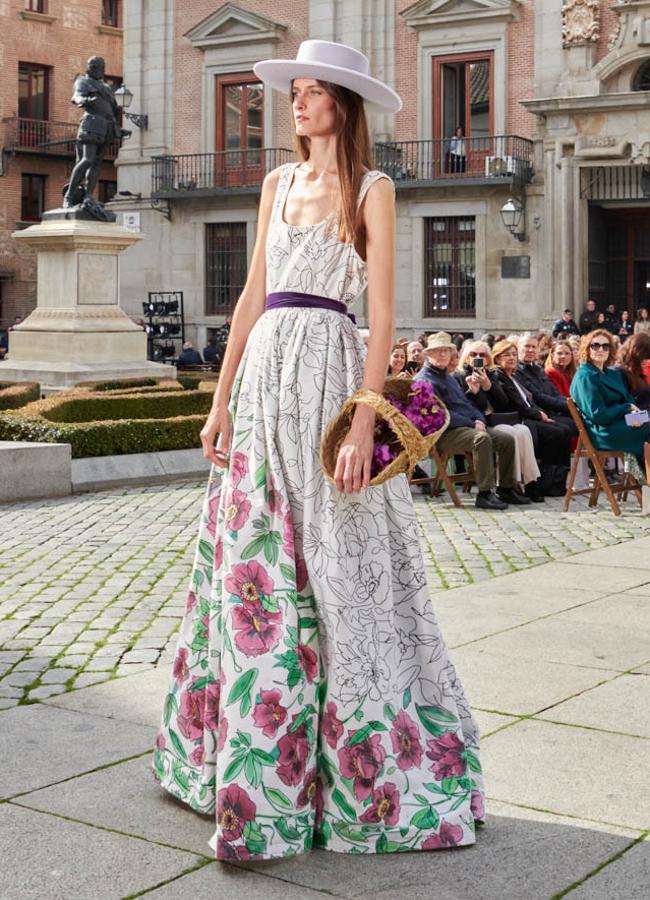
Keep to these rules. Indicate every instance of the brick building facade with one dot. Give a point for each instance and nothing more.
(552, 101)
(44, 45)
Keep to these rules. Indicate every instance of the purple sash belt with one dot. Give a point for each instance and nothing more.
(308, 301)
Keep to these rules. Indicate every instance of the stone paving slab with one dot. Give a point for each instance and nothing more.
(503, 684)
(134, 698)
(627, 609)
(620, 705)
(636, 555)
(131, 802)
(545, 856)
(225, 882)
(44, 858)
(570, 770)
(48, 745)
(490, 722)
(627, 878)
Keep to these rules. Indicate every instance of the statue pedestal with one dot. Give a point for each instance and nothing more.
(78, 331)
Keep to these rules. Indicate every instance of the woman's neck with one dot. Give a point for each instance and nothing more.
(322, 156)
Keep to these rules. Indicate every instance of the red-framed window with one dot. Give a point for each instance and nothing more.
(226, 265)
(112, 13)
(32, 197)
(37, 6)
(33, 91)
(450, 267)
(240, 126)
(463, 96)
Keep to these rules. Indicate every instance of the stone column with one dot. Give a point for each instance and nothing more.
(78, 331)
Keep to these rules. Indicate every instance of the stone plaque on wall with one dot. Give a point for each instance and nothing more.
(515, 266)
(580, 22)
(96, 279)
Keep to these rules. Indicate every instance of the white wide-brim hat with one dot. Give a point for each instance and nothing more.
(329, 61)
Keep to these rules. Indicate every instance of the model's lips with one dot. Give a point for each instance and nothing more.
(302, 119)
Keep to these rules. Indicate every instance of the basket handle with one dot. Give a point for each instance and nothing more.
(405, 430)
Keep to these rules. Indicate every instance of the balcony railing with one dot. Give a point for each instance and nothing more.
(484, 160)
(203, 174)
(43, 136)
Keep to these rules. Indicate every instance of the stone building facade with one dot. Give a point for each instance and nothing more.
(551, 98)
(44, 45)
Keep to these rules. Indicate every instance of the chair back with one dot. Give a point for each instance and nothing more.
(583, 434)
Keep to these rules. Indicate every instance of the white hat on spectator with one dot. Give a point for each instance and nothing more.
(440, 341)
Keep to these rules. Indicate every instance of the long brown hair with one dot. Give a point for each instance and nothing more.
(634, 352)
(569, 370)
(353, 156)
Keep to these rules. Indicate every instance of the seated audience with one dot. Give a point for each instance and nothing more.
(533, 377)
(212, 353)
(560, 366)
(603, 398)
(642, 323)
(565, 325)
(588, 317)
(188, 356)
(634, 363)
(551, 440)
(414, 357)
(479, 382)
(468, 430)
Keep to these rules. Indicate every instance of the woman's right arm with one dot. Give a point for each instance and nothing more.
(249, 308)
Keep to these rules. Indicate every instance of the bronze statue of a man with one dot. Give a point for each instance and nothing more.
(98, 129)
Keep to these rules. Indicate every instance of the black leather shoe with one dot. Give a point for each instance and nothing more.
(489, 500)
(533, 492)
(511, 497)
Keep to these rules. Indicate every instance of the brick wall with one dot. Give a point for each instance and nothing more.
(608, 26)
(188, 63)
(65, 45)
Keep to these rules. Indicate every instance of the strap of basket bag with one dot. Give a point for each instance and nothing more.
(406, 431)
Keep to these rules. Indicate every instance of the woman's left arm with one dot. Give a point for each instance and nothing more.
(354, 460)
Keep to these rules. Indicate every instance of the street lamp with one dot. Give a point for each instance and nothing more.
(123, 98)
(512, 214)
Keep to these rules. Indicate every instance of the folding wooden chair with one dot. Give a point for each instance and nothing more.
(586, 450)
(442, 477)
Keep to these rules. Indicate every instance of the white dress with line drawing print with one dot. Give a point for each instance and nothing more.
(312, 699)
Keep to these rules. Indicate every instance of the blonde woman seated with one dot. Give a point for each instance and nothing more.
(478, 380)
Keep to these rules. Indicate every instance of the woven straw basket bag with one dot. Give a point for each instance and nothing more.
(414, 446)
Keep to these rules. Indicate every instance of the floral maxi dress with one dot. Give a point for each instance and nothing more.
(312, 700)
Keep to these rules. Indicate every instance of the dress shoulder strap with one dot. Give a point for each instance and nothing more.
(281, 191)
(368, 179)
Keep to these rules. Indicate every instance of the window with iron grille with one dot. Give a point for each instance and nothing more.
(450, 267)
(37, 6)
(111, 13)
(226, 264)
(32, 197)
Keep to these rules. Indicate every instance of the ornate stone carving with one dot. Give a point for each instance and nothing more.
(580, 22)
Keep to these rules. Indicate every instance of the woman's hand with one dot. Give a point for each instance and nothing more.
(544, 417)
(352, 472)
(484, 380)
(218, 423)
(473, 383)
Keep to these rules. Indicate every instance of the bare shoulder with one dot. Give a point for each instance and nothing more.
(379, 199)
(272, 178)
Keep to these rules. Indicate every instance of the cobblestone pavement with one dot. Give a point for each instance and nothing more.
(92, 587)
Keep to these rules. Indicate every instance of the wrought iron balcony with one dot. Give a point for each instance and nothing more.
(194, 175)
(42, 136)
(496, 159)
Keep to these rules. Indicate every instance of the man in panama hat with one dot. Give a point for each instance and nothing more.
(468, 431)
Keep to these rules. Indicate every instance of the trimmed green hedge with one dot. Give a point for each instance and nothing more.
(99, 425)
(13, 396)
(118, 385)
(191, 380)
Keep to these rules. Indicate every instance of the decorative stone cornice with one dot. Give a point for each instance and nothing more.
(589, 103)
(428, 13)
(77, 318)
(77, 235)
(230, 24)
(580, 22)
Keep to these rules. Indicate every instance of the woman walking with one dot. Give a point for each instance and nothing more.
(313, 702)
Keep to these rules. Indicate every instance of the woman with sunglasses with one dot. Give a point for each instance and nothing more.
(604, 400)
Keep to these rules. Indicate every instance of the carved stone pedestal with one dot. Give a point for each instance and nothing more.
(78, 331)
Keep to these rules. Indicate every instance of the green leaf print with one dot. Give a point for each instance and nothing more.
(178, 744)
(343, 805)
(389, 712)
(244, 739)
(434, 788)
(171, 707)
(277, 799)
(253, 770)
(270, 603)
(302, 717)
(245, 705)
(377, 726)
(159, 764)
(436, 714)
(242, 686)
(288, 573)
(271, 547)
(180, 777)
(349, 834)
(421, 800)
(431, 726)
(259, 478)
(381, 844)
(360, 736)
(253, 838)
(308, 622)
(292, 640)
(406, 699)
(200, 683)
(199, 642)
(289, 832)
(254, 548)
(426, 818)
(234, 768)
(262, 756)
(472, 761)
(450, 785)
(207, 551)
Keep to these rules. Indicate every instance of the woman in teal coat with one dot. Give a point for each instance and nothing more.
(603, 398)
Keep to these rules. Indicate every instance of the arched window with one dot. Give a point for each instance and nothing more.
(641, 80)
